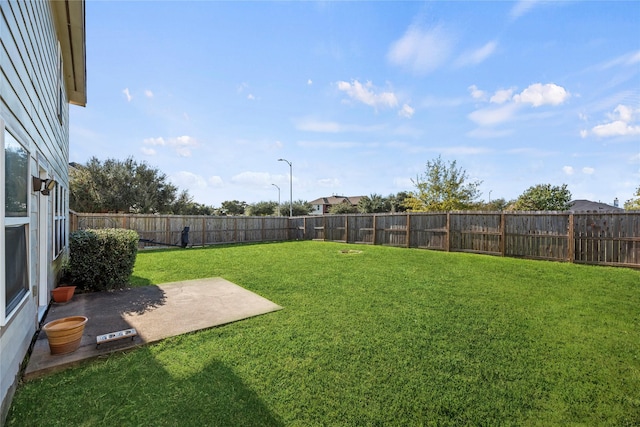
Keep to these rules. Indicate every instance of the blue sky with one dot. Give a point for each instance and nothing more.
(360, 95)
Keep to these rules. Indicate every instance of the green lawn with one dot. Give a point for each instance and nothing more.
(389, 336)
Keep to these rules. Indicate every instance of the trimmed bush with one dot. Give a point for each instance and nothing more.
(102, 259)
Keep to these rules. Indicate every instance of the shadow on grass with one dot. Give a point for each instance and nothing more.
(137, 281)
(144, 387)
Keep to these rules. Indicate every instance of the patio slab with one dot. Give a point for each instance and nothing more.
(156, 312)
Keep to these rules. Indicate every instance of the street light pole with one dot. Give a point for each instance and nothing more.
(278, 198)
(290, 185)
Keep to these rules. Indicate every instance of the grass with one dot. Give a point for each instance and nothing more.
(387, 336)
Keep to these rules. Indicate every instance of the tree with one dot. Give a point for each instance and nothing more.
(343, 208)
(120, 186)
(442, 188)
(299, 208)
(543, 197)
(233, 207)
(397, 201)
(373, 204)
(262, 209)
(633, 203)
(494, 205)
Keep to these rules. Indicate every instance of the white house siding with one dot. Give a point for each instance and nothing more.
(29, 107)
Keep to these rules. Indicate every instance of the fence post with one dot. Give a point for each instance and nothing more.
(447, 244)
(408, 231)
(324, 228)
(502, 233)
(167, 233)
(346, 228)
(235, 229)
(571, 242)
(374, 228)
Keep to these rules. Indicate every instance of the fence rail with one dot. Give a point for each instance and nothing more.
(588, 238)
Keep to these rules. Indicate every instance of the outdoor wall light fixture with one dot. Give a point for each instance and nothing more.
(43, 185)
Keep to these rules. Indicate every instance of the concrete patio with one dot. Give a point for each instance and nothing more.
(156, 312)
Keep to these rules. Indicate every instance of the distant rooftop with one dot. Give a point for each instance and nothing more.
(589, 206)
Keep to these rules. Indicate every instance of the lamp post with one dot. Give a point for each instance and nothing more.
(278, 198)
(290, 185)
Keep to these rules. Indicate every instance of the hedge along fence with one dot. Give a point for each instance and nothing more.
(590, 238)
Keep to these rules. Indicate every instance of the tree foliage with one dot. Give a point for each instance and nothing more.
(397, 201)
(442, 187)
(343, 208)
(120, 186)
(633, 203)
(233, 207)
(495, 205)
(300, 208)
(543, 197)
(262, 209)
(375, 203)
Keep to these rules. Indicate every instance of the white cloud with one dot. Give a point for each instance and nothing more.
(406, 111)
(154, 141)
(588, 171)
(148, 151)
(477, 56)
(477, 93)
(309, 82)
(493, 116)
(185, 179)
(148, 93)
(624, 113)
(182, 144)
(584, 133)
(312, 125)
(251, 97)
(484, 133)
(329, 144)
(215, 181)
(627, 59)
(127, 94)
(568, 170)
(420, 50)
(617, 128)
(367, 95)
(538, 94)
(254, 179)
(623, 123)
(522, 7)
(501, 96)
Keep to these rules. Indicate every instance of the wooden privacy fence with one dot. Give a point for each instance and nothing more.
(166, 230)
(589, 238)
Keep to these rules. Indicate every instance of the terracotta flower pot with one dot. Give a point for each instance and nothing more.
(63, 293)
(64, 334)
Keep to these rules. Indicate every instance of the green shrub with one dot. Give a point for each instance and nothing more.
(102, 259)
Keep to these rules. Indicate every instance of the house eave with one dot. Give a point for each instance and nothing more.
(69, 17)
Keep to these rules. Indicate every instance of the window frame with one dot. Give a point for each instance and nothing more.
(60, 222)
(5, 315)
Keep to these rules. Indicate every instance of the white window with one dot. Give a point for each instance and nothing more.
(14, 227)
(60, 195)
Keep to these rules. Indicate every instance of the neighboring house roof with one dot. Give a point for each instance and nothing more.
(69, 18)
(588, 206)
(336, 200)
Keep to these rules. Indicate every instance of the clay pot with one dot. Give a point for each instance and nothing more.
(64, 334)
(63, 293)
